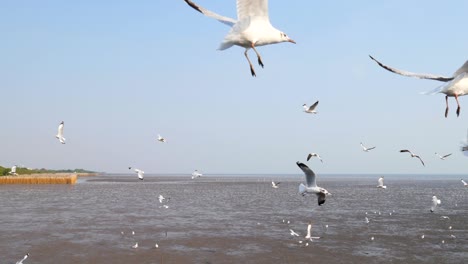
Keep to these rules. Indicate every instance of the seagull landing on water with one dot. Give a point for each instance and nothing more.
(435, 202)
(196, 174)
(161, 139)
(380, 184)
(251, 29)
(442, 157)
(311, 109)
(275, 185)
(314, 155)
(366, 149)
(59, 135)
(24, 258)
(413, 155)
(456, 85)
(464, 183)
(311, 186)
(139, 173)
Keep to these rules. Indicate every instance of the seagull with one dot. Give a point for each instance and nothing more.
(133, 233)
(367, 220)
(314, 155)
(196, 174)
(13, 170)
(464, 183)
(309, 229)
(443, 157)
(464, 147)
(450, 227)
(156, 245)
(380, 185)
(161, 198)
(293, 233)
(311, 184)
(139, 173)
(161, 139)
(136, 245)
(24, 258)
(435, 202)
(366, 149)
(456, 85)
(444, 216)
(59, 135)
(311, 109)
(251, 29)
(422, 237)
(275, 184)
(166, 206)
(372, 238)
(413, 155)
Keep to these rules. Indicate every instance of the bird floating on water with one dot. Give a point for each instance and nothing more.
(413, 155)
(251, 29)
(59, 135)
(456, 85)
(311, 185)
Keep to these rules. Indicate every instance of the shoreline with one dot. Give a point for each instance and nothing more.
(46, 178)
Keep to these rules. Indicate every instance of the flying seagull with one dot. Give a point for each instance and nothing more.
(435, 202)
(293, 233)
(196, 174)
(380, 185)
(24, 258)
(59, 135)
(310, 109)
(443, 157)
(275, 184)
(413, 155)
(309, 229)
(464, 147)
(456, 85)
(251, 29)
(311, 184)
(13, 170)
(139, 173)
(314, 155)
(136, 245)
(161, 139)
(366, 149)
(161, 198)
(464, 183)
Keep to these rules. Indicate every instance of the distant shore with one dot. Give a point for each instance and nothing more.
(43, 178)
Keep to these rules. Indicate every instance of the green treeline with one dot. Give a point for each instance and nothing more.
(22, 171)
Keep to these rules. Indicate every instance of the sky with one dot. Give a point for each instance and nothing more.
(118, 73)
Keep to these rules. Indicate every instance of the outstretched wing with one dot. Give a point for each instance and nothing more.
(380, 181)
(463, 69)
(446, 155)
(312, 107)
(417, 75)
(420, 160)
(225, 20)
(309, 174)
(252, 8)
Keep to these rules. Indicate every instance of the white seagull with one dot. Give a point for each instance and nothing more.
(161, 198)
(13, 170)
(275, 184)
(139, 173)
(311, 184)
(367, 220)
(314, 155)
(380, 185)
(413, 155)
(293, 233)
(24, 258)
(196, 174)
(251, 29)
(366, 149)
(456, 85)
(443, 157)
(464, 183)
(161, 139)
(435, 202)
(136, 245)
(309, 229)
(311, 109)
(59, 135)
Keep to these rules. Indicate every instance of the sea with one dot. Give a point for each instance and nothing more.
(235, 219)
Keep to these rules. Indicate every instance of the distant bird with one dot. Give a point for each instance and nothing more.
(381, 183)
(161, 198)
(13, 170)
(293, 233)
(156, 245)
(139, 173)
(422, 237)
(413, 155)
(251, 29)
(443, 216)
(24, 258)
(443, 157)
(453, 236)
(464, 147)
(309, 230)
(450, 227)
(311, 109)
(372, 238)
(196, 174)
(311, 185)
(136, 245)
(456, 85)
(314, 155)
(464, 183)
(367, 220)
(275, 184)
(133, 233)
(366, 149)
(59, 135)
(435, 202)
(166, 206)
(161, 139)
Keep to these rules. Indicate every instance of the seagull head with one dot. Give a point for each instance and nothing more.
(285, 38)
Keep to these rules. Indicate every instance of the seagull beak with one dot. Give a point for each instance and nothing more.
(292, 41)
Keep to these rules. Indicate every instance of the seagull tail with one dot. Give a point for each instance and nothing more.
(225, 45)
(435, 91)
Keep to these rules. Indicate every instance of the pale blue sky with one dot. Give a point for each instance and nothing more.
(120, 72)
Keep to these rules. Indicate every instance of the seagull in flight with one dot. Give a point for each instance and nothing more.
(293, 233)
(413, 155)
(139, 173)
(136, 245)
(251, 29)
(314, 155)
(381, 184)
(13, 170)
(196, 174)
(366, 149)
(435, 202)
(464, 147)
(275, 185)
(24, 258)
(310, 109)
(59, 135)
(161, 139)
(161, 198)
(309, 229)
(456, 85)
(464, 183)
(311, 186)
(443, 157)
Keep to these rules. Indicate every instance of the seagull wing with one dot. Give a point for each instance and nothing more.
(416, 75)
(247, 9)
(446, 155)
(60, 130)
(225, 20)
(321, 198)
(309, 174)
(405, 150)
(371, 148)
(309, 156)
(463, 69)
(380, 181)
(312, 107)
(420, 160)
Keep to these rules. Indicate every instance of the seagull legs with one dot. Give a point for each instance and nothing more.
(258, 55)
(250, 63)
(446, 106)
(458, 105)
